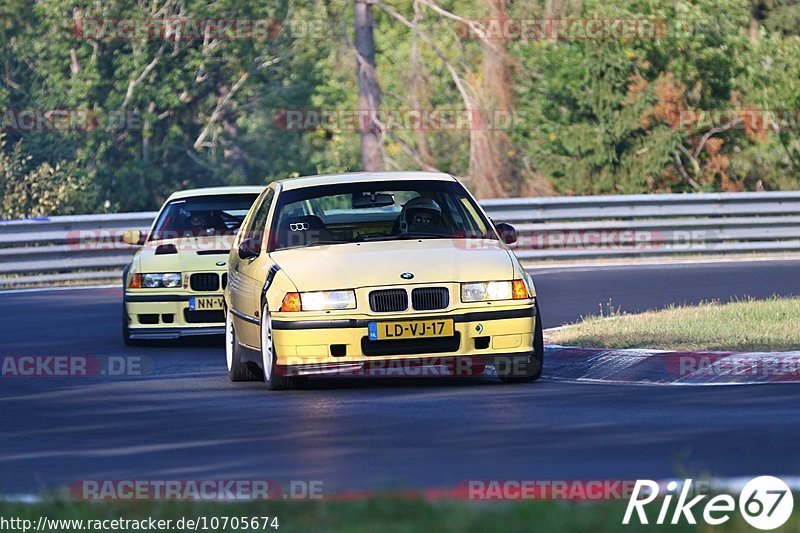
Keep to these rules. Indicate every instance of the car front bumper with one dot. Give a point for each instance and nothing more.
(167, 316)
(409, 367)
(308, 346)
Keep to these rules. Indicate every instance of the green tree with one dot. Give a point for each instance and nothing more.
(30, 190)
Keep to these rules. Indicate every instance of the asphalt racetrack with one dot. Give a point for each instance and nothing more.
(183, 419)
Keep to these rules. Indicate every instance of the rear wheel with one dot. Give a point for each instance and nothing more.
(517, 371)
(272, 378)
(237, 370)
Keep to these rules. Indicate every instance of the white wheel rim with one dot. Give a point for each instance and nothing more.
(267, 352)
(229, 340)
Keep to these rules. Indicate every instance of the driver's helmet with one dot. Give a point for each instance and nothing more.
(198, 220)
(421, 213)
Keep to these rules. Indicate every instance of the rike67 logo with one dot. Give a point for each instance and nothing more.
(765, 503)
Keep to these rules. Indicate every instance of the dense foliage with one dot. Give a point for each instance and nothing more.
(708, 103)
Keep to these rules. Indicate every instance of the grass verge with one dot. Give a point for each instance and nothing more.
(385, 515)
(739, 326)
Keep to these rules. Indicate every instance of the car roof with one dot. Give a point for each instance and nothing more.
(360, 177)
(213, 191)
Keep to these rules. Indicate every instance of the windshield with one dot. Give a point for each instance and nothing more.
(201, 216)
(376, 211)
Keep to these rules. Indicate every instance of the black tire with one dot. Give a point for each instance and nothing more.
(237, 369)
(532, 368)
(269, 359)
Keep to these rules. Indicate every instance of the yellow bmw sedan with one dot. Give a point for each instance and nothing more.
(392, 270)
(173, 286)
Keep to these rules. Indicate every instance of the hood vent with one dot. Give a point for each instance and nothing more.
(165, 249)
(213, 252)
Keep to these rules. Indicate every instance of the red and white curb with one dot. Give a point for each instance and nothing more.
(664, 367)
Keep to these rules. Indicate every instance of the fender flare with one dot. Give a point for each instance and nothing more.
(273, 271)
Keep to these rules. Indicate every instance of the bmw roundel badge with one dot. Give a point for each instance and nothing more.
(407, 275)
(220, 263)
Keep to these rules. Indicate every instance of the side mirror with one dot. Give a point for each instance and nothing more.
(249, 249)
(507, 232)
(134, 237)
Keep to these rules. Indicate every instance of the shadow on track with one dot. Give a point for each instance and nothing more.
(349, 383)
(202, 341)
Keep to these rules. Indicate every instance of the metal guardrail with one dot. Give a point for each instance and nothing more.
(69, 249)
(88, 247)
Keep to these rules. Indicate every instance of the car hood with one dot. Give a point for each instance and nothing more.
(192, 254)
(371, 264)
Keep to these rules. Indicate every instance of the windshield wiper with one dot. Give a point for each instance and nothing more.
(402, 236)
(323, 242)
(311, 244)
(374, 238)
(423, 235)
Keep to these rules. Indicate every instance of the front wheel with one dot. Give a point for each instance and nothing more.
(273, 379)
(516, 371)
(237, 370)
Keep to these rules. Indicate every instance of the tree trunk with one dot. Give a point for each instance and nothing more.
(419, 88)
(369, 94)
(491, 169)
(759, 11)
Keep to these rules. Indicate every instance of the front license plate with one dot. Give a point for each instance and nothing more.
(205, 303)
(413, 329)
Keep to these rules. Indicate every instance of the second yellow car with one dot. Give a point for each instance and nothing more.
(173, 286)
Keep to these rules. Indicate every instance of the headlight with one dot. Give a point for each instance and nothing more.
(319, 301)
(169, 280)
(494, 290)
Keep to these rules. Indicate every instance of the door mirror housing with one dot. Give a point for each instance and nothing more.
(506, 232)
(249, 249)
(134, 237)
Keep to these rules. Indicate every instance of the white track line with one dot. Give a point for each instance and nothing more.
(582, 267)
(46, 289)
